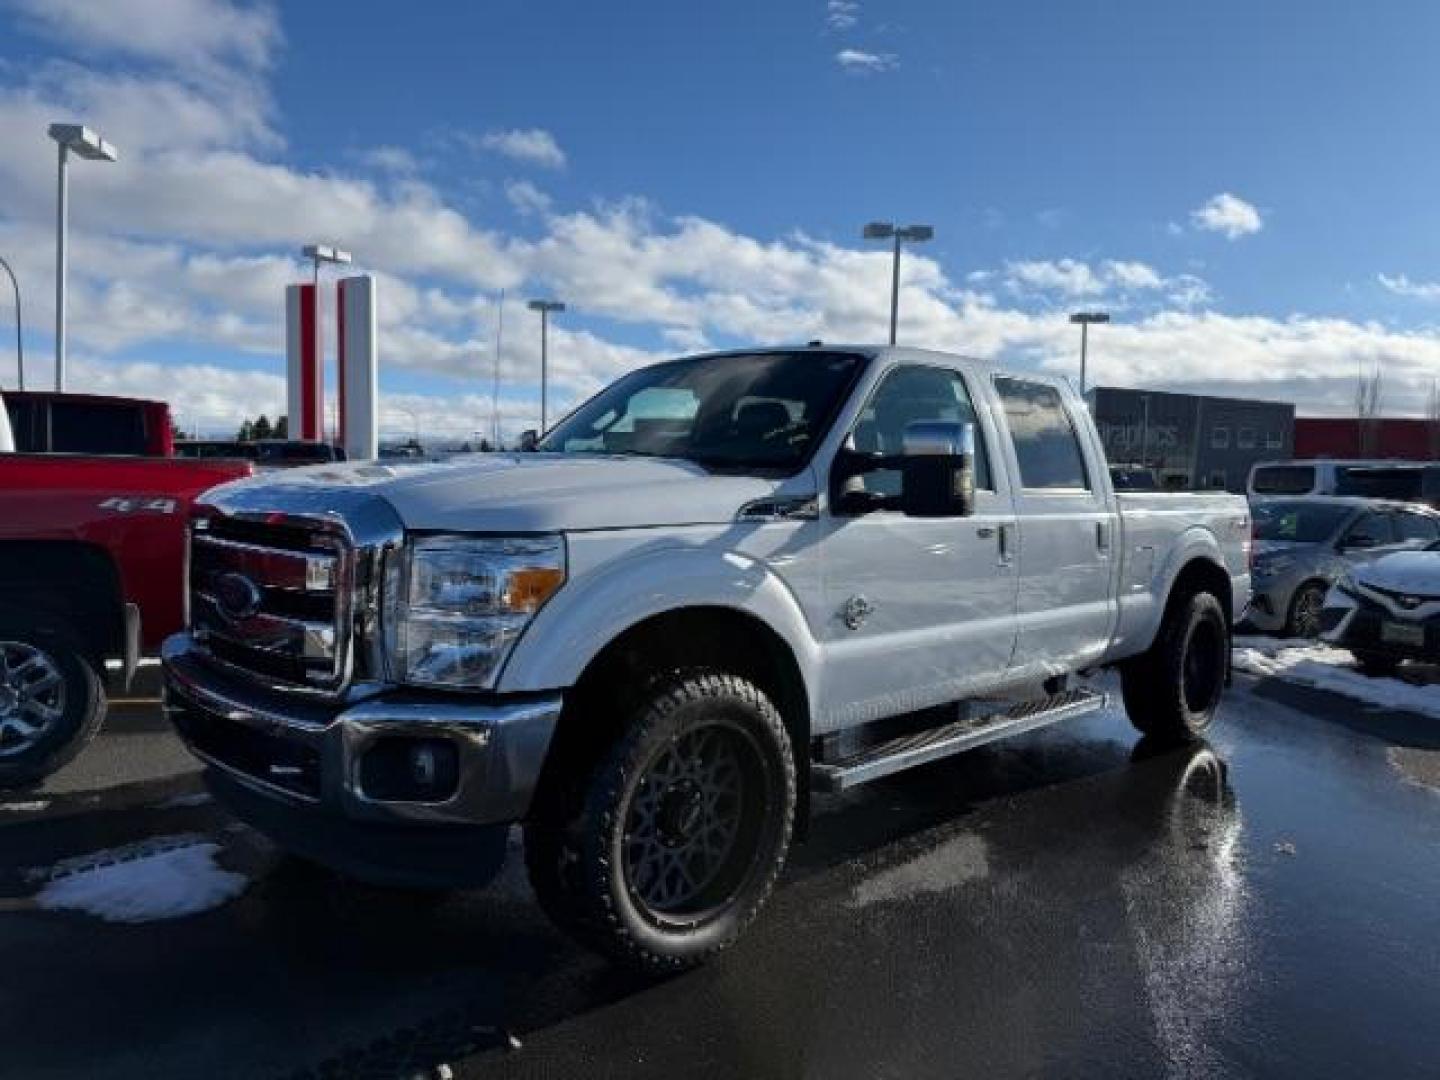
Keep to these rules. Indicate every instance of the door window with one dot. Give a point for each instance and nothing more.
(1417, 527)
(906, 395)
(1370, 531)
(1046, 446)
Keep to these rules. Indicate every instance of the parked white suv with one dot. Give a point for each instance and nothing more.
(720, 583)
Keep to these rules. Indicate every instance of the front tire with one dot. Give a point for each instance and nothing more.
(682, 828)
(51, 701)
(1303, 620)
(1173, 690)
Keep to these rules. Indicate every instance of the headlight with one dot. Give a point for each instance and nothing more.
(1276, 564)
(455, 605)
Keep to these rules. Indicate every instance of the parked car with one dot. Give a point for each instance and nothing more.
(1134, 478)
(1404, 481)
(294, 453)
(211, 449)
(1303, 545)
(1387, 611)
(91, 557)
(721, 582)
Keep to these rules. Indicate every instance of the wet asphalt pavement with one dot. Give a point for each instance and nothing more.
(1067, 904)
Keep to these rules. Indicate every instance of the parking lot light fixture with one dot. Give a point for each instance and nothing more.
(1084, 319)
(325, 253)
(888, 230)
(545, 308)
(79, 140)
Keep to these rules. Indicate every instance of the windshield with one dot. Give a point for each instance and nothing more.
(754, 411)
(1298, 522)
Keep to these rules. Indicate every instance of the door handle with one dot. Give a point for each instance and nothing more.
(985, 532)
(1007, 544)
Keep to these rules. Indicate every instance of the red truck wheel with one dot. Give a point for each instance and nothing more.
(51, 701)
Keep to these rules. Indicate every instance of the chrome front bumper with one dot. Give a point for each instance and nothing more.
(309, 755)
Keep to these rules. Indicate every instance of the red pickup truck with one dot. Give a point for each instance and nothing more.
(91, 569)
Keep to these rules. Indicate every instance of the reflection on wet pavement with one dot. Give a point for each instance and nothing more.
(1068, 904)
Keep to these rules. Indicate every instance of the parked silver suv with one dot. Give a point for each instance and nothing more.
(1304, 544)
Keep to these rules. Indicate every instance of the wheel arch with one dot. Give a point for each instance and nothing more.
(70, 580)
(709, 636)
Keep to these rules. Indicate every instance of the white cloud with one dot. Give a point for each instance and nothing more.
(526, 198)
(1401, 285)
(1229, 215)
(181, 33)
(1133, 275)
(212, 219)
(391, 159)
(859, 62)
(534, 146)
(842, 14)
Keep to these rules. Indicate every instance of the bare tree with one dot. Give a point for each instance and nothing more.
(1367, 410)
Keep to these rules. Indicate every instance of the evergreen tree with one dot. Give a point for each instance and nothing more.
(246, 432)
(261, 428)
(282, 427)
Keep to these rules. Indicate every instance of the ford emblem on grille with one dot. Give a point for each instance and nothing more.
(237, 596)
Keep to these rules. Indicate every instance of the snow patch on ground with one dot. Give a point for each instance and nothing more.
(1319, 665)
(164, 878)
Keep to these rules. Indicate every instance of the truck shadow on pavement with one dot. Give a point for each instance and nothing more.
(308, 974)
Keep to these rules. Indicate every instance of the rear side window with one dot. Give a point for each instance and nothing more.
(1046, 446)
(26, 426)
(1283, 480)
(79, 427)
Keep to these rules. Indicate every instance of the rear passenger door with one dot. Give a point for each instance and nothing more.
(1068, 532)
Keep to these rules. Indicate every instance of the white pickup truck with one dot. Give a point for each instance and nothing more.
(722, 583)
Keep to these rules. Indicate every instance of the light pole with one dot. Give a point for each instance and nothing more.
(324, 253)
(888, 230)
(90, 146)
(19, 334)
(1084, 319)
(545, 307)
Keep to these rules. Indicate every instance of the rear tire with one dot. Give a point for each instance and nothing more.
(1172, 691)
(51, 700)
(680, 830)
(1375, 665)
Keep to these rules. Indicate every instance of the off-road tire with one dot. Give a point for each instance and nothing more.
(83, 702)
(1375, 665)
(1172, 690)
(578, 866)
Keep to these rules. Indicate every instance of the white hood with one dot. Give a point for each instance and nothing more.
(1414, 572)
(526, 493)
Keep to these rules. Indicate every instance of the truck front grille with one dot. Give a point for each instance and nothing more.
(272, 601)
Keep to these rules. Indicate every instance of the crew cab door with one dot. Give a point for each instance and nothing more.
(914, 611)
(1068, 530)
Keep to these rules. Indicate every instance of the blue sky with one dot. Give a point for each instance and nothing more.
(687, 176)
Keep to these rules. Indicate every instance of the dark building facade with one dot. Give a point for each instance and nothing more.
(1191, 441)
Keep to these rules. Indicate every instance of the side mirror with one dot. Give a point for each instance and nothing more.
(938, 469)
(529, 439)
